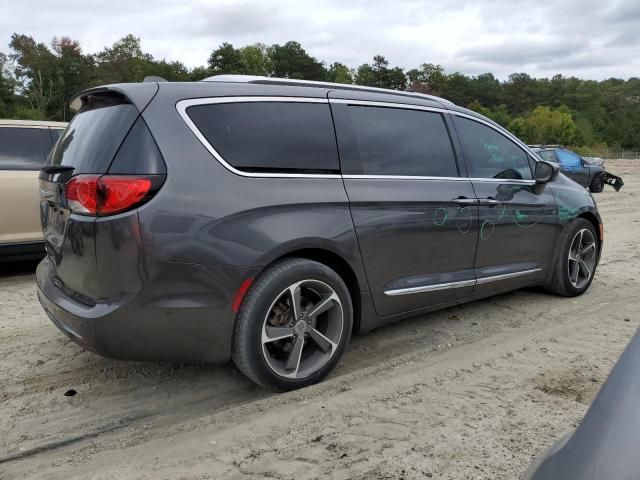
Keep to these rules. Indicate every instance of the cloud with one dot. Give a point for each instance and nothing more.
(585, 38)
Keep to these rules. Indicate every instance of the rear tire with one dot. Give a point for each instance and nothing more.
(597, 183)
(577, 259)
(293, 325)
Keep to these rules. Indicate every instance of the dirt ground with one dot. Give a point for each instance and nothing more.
(472, 392)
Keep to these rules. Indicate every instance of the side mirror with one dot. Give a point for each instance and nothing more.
(546, 171)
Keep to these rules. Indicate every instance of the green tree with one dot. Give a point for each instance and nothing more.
(521, 93)
(255, 60)
(8, 85)
(292, 61)
(429, 78)
(124, 61)
(36, 73)
(36, 81)
(546, 126)
(339, 73)
(73, 74)
(378, 74)
(226, 60)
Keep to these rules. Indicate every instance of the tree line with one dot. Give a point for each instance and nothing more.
(37, 80)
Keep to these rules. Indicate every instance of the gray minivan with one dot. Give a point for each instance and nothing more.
(266, 220)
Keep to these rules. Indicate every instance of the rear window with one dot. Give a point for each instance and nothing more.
(270, 136)
(23, 148)
(92, 138)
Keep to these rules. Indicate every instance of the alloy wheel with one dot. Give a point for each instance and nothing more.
(582, 258)
(302, 329)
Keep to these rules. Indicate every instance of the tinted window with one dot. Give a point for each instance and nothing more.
(92, 138)
(548, 155)
(270, 136)
(139, 153)
(568, 159)
(23, 148)
(394, 141)
(55, 133)
(490, 154)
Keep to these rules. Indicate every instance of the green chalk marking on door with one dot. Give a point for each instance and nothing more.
(521, 216)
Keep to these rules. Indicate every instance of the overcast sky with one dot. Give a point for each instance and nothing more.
(585, 38)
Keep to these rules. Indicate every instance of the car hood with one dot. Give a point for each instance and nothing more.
(593, 160)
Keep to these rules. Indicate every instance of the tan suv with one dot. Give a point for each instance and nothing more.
(24, 145)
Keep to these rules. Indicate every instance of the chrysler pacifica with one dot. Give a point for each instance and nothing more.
(267, 220)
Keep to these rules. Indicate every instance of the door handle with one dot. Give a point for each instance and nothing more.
(465, 201)
(489, 202)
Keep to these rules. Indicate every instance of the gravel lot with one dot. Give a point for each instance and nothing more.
(472, 392)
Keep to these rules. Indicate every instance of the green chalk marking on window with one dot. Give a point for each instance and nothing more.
(490, 147)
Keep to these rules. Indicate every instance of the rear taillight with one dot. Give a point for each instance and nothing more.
(109, 194)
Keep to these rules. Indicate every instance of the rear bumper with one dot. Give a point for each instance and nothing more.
(183, 312)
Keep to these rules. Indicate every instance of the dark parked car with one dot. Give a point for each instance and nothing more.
(588, 172)
(266, 220)
(605, 444)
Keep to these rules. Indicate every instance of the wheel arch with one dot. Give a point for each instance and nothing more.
(589, 216)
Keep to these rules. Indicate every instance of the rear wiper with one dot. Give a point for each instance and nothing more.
(57, 168)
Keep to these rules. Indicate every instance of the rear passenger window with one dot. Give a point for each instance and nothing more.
(23, 148)
(393, 141)
(270, 136)
(490, 154)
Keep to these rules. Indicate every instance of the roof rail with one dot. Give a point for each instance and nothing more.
(318, 84)
(153, 78)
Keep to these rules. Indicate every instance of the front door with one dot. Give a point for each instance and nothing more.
(414, 210)
(517, 218)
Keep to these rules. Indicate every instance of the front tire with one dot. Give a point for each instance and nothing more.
(577, 259)
(293, 325)
(597, 183)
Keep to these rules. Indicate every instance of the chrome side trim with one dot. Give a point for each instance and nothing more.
(35, 127)
(461, 284)
(505, 276)
(503, 180)
(183, 105)
(430, 288)
(446, 179)
(404, 177)
(373, 103)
